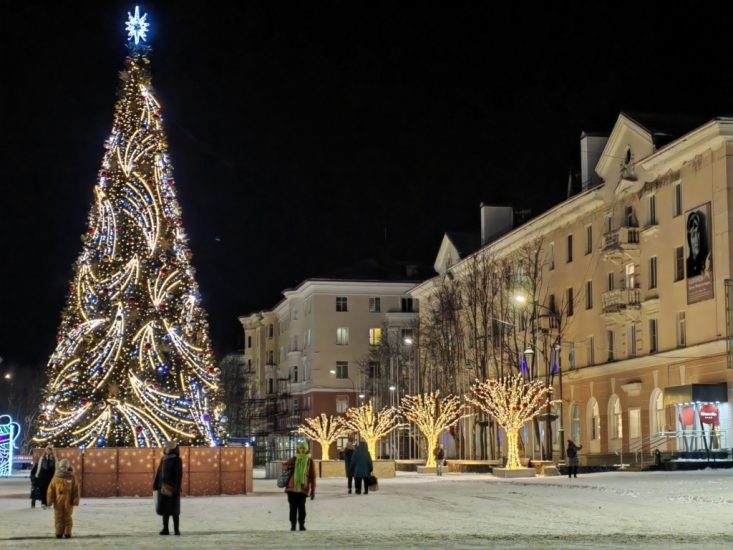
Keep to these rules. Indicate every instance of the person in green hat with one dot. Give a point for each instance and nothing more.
(302, 484)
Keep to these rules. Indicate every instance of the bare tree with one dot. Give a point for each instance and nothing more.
(22, 399)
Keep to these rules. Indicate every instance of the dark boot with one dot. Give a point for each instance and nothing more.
(59, 536)
(175, 525)
(67, 536)
(302, 527)
(292, 526)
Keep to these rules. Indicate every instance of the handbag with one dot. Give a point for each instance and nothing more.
(166, 490)
(373, 483)
(284, 478)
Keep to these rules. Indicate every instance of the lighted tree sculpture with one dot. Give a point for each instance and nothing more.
(325, 430)
(512, 402)
(372, 426)
(133, 364)
(432, 416)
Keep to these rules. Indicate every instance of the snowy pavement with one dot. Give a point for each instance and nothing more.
(607, 510)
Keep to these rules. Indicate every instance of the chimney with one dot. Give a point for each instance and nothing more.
(495, 221)
(591, 149)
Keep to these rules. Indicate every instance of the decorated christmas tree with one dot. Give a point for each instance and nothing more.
(133, 365)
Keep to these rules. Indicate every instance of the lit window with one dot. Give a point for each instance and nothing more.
(375, 335)
(342, 404)
(342, 336)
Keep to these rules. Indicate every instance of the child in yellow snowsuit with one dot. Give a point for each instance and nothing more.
(63, 495)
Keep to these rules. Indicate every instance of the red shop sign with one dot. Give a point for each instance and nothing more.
(709, 415)
(687, 415)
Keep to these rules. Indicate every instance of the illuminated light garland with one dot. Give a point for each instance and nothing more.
(512, 402)
(372, 427)
(123, 372)
(325, 430)
(432, 416)
(9, 434)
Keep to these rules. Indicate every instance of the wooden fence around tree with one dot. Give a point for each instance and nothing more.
(129, 472)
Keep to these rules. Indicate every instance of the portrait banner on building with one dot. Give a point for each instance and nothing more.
(699, 263)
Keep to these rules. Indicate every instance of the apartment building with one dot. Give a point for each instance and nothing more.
(309, 351)
(642, 253)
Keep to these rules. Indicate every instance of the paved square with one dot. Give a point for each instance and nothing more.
(609, 510)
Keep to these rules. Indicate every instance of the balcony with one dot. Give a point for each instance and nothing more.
(620, 244)
(546, 323)
(621, 302)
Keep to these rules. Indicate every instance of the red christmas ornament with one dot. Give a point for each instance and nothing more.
(157, 112)
(179, 222)
(164, 272)
(104, 173)
(210, 370)
(162, 307)
(59, 338)
(129, 338)
(84, 402)
(189, 253)
(92, 230)
(148, 346)
(130, 241)
(107, 291)
(132, 301)
(173, 261)
(67, 382)
(151, 182)
(42, 418)
(138, 429)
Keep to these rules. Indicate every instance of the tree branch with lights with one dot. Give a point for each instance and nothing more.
(372, 426)
(512, 402)
(432, 416)
(325, 430)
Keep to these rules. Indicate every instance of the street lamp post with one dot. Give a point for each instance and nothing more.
(556, 350)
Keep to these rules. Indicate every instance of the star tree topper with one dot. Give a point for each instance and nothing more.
(136, 26)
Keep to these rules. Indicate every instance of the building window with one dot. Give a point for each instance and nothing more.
(270, 331)
(342, 369)
(653, 336)
(679, 263)
(575, 422)
(571, 302)
(681, 330)
(617, 419)
(571, 355)
(551, 256)
(520, 272)
(294, 314)
(595, 420)
(631, 347)
(634, 423)
(591, 351)
(307, 306)
(611, 343)
(373, 369)
(610, 281)
(630, 217)
(589, 295)
(342, 303)
(609, 223)
(656, 410)
(653, 272)
(570, 249)
(677, 205)
(408, 305)
(406, 335)
(652, 210)
(375, 335)
(249, 341)
(295, 373)
(588, 239)
(375, 305)
(342, 336)
(342, 404)
(551, 303)
(270, 357)
(282, 353)
(630, 276)
(270, 386)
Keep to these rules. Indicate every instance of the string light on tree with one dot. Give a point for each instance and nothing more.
(9, 434)
(372, 427)
(432, 416)
(325, 430)
(133, 364)
(512, 402)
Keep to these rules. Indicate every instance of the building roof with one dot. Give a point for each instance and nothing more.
(465, 243)
(665, 128)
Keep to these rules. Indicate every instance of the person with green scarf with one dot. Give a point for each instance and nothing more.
(301, 485)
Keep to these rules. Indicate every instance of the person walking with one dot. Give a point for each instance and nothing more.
(362, 467)
(35, 491)
(301, 485)
(573, 459)
(348, 453)
(167, 482)
(63, 495)
(439, 454)
(44, 472)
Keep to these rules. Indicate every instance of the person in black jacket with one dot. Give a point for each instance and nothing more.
(573, 459)
(44, 472)
(362, 467)
(168, 480)
(348, 453)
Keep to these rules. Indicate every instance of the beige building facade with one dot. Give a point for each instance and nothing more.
(309, 350)
(643, 252)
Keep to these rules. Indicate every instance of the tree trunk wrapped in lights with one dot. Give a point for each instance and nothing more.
(133, 364)
(512, 402)
(372, 427)
(432, 416)
(325, 430)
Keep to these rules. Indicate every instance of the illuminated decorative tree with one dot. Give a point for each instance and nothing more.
(512, 402)
(372, 427)
(133, 365)
(432, 416)
(325, 430)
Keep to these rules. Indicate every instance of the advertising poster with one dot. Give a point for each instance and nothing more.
(699, 258)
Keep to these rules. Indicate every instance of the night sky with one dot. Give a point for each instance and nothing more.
(301, 131)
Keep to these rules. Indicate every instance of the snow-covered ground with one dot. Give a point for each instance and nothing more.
(607, 510)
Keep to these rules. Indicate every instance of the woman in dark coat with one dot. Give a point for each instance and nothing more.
(302, 484)
(573, 459)
(44, 472)
(170, 473)
(362, 467)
